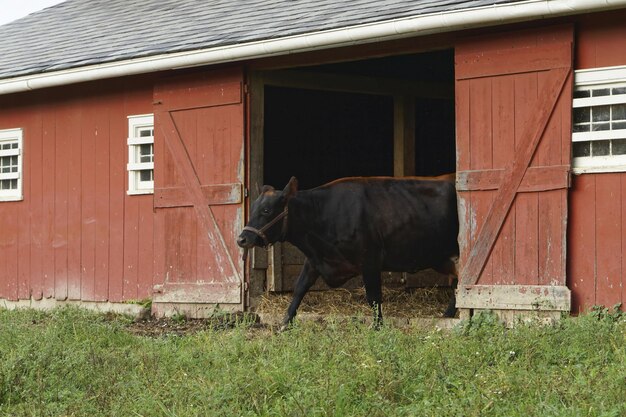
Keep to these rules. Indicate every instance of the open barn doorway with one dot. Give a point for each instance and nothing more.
(389, 116)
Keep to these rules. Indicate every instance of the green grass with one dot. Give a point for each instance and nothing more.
(74, 363)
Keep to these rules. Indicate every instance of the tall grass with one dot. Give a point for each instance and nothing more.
(74, 363)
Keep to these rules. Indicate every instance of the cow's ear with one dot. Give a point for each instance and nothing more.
(291, 188)
(266, 188)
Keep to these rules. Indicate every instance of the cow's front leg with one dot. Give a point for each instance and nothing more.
(307, 278)
(374, 294)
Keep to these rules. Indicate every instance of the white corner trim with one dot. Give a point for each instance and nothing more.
(395, 29)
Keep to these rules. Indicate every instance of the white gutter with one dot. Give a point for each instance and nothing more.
(354, 35)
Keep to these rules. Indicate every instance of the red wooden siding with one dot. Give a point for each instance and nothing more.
(513, 96)
(597, 229)
(77, 234)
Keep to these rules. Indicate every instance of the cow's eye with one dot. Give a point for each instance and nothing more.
(266, 211)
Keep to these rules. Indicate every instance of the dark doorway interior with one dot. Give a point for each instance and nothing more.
(319, 136)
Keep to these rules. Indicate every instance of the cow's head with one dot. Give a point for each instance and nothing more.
(268, 217)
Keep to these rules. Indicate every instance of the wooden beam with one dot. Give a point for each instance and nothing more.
(192, 292)
(258, 260)
(535, 179)
(514, 297)
(214, 195)
(358, 84)
(403, 136)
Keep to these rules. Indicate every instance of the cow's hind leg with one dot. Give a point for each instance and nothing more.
(374, 294)
(451, 310)
(450, 267)
(307, 278)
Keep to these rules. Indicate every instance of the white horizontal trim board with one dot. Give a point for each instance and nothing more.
(354, 35)
(602, 75)
(514, 297)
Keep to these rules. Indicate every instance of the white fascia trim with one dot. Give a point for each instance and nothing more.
(604, 75)
(353, 35)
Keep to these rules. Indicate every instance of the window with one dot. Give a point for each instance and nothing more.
(599, 120)
(11, 165)
(141, 154)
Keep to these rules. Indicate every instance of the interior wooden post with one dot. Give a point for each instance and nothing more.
(403, 135)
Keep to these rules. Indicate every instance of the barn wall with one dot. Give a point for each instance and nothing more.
(77, 234)
(597, 222)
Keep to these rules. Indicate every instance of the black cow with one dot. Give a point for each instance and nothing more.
(360, 225)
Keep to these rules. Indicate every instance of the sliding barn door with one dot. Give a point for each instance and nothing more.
(513, 122)
(199, 133)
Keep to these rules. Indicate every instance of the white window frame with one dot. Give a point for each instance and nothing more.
(12, 135)
(596, 78)
(135, 124)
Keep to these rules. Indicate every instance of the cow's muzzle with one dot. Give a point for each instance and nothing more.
(246, 243)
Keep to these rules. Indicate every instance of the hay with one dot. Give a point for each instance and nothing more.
(397, 302)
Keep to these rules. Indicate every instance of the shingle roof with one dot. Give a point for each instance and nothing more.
(84, 32)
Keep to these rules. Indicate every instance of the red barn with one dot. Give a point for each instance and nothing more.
(133, 135)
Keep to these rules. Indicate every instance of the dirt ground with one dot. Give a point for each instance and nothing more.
(398, 303)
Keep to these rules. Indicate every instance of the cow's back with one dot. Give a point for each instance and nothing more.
(409, 223)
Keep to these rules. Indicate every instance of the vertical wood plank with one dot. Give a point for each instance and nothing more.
(526, 204)
(481, 132)
(24, 240)
(72, 286)
(48, 201)
(88, 241)
(64, 121)
(463, 157)
(131, 247)
(608, 239)
(550, 210)
(36, 189)
(503, 254)
(8, 245)
(102, 199)
(622, 281)
(159, 215)
(582, 242)
(146, 248)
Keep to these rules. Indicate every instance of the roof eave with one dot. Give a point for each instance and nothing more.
(381, 31)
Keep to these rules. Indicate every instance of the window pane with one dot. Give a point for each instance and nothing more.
(582, 128)
(619, 112)
(600, 126)
(619, 147)
(619, 90)
(582, 93)
(601, 113)
(601, 92)
(582, 149)
(144, 133)
(582, 115)
(146, 153)
(146, 175)
(618, 125)
(8, 184)
(600, 148)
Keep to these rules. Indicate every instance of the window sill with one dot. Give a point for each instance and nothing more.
(139, 192)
